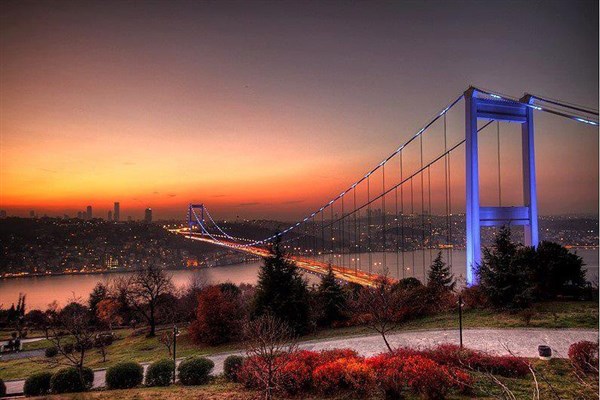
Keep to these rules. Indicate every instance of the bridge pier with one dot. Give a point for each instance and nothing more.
(476, 216)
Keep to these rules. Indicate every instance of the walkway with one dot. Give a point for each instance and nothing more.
(522, 342)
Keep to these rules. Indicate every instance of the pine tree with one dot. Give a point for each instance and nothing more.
(281, 291)
(332, 299)
(504, 274)
(440, 276)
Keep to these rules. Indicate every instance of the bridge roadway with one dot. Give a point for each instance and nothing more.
(345, 274)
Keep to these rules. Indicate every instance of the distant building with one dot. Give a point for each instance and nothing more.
(129, 219)
(2, 213)
(32, 214)
(109, 215)
(117, 212)
(88, 212)
(148, 215)
(79, 215)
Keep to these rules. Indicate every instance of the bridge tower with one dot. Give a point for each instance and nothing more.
(191, 219)
(477, 108)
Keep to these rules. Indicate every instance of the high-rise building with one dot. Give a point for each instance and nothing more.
(117, 212)
(148, 215)
(109, 215)
(32, 214)
(2, 213)
(88, 213)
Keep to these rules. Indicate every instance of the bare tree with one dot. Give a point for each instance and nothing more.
(72, 334)
(145, 290)
(268, 342)
(166, 338)
(381, 307)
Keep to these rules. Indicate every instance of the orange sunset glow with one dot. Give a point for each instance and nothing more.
(101, 105)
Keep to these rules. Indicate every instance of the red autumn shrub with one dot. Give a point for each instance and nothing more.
(584, 356)
(426, 377)
(296, 377)
(326, 356)
(343, 374)
(388, 370)
(449, 354)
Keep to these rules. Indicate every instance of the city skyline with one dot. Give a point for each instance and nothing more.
(163, 112)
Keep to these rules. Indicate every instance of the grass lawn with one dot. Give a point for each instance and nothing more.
(556, 380)
(142, 349)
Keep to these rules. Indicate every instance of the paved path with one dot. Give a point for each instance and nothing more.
(522, 342)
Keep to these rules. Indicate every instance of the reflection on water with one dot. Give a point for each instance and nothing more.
(43, 290)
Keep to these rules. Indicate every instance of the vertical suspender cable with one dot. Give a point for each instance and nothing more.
(355, 252)
(422, 209)
(402, 218)
(412, 226)
(446, 190)
(499, 181)
(430, 215)
(369, 222)
(396, 235)
(383, 219)
(342, 232)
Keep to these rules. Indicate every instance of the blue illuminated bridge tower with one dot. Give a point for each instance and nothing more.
(526, 215)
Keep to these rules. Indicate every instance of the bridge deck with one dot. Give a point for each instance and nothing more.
(307, 264)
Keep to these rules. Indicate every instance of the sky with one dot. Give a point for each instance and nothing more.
(269, 109)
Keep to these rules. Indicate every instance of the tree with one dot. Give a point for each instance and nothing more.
(557, 271)
(99, 293)
(281, 291)
(145, 290)
(505, 275)
(440, 277)
(268, 342)
(381, 307)
(219, 315)
(107, 311)
(72, 334)
(332, 299)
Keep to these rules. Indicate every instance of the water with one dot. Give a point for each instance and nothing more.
(44, 289)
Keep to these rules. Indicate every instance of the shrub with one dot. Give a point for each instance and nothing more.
(2, 388)
(68, 348)
(195, 370)
(70, 379)
(508, 366)
(344, 374)
(51, 351)
(296, 376)
(426, 377)
(37, 384)
(125, 375)
(232, 366)
(160, 373)
(584, 356)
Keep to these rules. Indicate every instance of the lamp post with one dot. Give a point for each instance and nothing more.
(460, 305)
(175, 334)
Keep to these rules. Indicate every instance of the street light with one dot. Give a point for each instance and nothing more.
(460, 306)
(175, 334)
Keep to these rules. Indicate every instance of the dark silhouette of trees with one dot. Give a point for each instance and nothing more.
(145, 290)
(439, 277)
(504, 274)
(557, 271)
(282, 291)
(332, 300)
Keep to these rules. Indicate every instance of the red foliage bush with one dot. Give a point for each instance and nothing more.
(508, 366)
(352, 374)
(584, 356)
(474, 297)
(426, 377)
(296, 377)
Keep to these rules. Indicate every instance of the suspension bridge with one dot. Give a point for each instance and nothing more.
(390, 219)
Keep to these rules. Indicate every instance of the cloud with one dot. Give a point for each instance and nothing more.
(171, 195)
(155, 192)
(219, 195)
(254, 203)
(293, 201)
(48, 170)
(128, 163)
